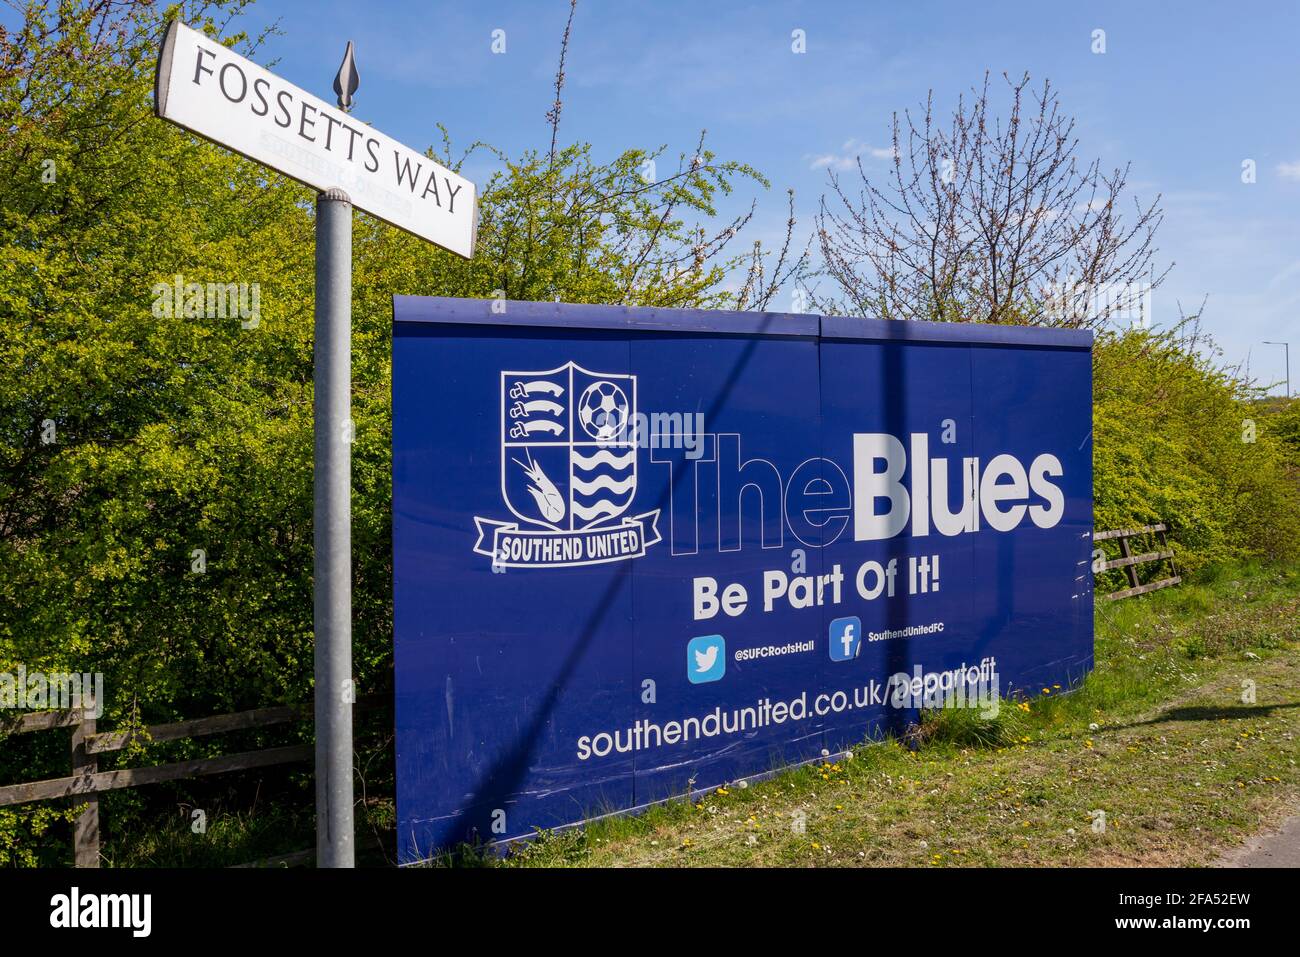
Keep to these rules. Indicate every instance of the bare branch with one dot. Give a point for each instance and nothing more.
(988, 219)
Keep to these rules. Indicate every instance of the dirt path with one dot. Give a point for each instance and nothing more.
(1280, 848)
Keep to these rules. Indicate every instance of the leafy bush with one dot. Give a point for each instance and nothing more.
(1179, 440)
(129, 439)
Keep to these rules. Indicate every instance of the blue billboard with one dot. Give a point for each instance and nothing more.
(644, 552)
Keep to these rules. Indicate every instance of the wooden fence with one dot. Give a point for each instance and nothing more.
(87, 782)
(1129, 561)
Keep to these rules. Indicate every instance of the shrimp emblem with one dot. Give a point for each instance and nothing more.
(549, 500)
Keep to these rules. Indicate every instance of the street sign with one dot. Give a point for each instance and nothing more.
(642, 552)
(210, 90)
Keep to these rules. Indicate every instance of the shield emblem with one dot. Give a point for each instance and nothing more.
(568, 449)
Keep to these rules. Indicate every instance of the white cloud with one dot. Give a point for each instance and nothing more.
(847, 156)
(1289, 171)
(1286, 274)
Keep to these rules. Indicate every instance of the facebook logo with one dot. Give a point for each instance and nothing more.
(846, 638)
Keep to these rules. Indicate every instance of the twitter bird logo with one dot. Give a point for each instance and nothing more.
(706, 659)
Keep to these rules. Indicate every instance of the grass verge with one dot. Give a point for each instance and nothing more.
(1181, 742)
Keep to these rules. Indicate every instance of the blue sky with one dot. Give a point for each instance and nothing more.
(1185, 91)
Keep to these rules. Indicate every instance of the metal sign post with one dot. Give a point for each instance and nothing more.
(332, 515)
(203, 86)
(332, 512)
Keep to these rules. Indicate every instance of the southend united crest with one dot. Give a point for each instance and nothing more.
(568, 471)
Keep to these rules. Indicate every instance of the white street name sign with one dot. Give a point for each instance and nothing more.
(209, 90)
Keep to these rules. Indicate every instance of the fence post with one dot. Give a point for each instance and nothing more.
(1164, 546)
(85, 830)
(1129, 570)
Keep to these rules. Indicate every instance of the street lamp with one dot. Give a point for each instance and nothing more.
(1287, 347)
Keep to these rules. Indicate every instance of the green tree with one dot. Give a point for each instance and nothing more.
(155, 468)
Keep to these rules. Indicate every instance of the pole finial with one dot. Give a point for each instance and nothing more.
(345, 84)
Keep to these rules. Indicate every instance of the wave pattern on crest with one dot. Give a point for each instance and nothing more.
(605, 457)
(606, 482)
(602, 509)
